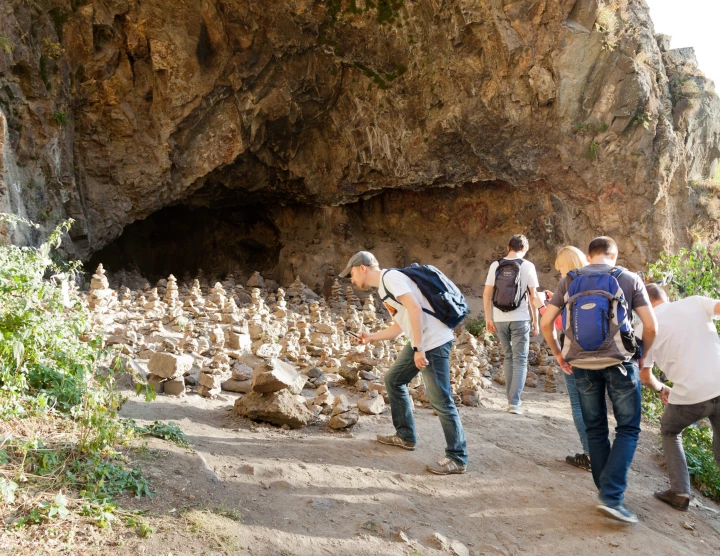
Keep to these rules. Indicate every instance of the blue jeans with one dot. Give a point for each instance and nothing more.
(577, 412)
(436, 377)
(515, 340)
(610, 464)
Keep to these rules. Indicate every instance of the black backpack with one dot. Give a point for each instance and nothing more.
(448, 302)
(507, 294)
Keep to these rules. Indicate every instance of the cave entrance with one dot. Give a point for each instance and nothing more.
(183, 239)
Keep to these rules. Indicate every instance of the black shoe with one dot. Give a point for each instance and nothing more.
(579, 460)
(677, 501)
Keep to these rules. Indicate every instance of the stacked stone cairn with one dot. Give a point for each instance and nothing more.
(283, 352)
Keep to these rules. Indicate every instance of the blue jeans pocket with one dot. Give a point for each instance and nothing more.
(622, 384)
(583, 384)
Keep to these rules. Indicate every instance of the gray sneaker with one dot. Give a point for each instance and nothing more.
(395, 440)
(446, 466)
(619, 512)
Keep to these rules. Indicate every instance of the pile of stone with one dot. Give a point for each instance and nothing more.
(274, 396)
(267, 345)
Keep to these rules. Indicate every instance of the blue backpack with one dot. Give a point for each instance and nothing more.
(447, 301)
(597, 322)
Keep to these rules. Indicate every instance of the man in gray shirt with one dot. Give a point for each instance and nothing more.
(610, 463)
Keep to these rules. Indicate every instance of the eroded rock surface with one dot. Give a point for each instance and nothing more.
(113, 110)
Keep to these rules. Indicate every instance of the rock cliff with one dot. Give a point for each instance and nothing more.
(288, 134)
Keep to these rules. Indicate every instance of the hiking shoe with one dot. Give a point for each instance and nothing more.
(619, 512)
(677, 501)
(579, 460)
(515, 410)
(446, 466)
(395, 440)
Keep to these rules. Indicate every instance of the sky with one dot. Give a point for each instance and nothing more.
(691, 23)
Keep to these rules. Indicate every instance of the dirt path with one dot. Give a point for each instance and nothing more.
(255, 489)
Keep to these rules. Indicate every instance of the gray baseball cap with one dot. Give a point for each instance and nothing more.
(360, 258)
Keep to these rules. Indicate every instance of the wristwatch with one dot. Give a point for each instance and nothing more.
(418, 348)
(662, 389)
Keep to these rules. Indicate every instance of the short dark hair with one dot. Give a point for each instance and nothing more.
(656, 293)
(602, 245)
(518, 243)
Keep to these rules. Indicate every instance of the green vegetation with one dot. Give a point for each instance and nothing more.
(607, 23)
(60, 117)
(167, 431)
(691, 272)
(593, 149)
(6, 45)
(643, 118)
(52, 50)
(58, 403)
(475, 326)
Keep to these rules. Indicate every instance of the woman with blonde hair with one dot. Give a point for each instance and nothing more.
(569, 258)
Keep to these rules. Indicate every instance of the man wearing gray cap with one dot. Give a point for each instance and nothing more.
(427, 351)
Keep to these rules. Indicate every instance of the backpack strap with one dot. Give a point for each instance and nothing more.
(388, 294)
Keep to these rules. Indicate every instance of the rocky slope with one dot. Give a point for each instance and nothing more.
(284, 135)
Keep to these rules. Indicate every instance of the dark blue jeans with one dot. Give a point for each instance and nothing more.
(436, 377)
(610, 464)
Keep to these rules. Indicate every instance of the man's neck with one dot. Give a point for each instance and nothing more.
(602, 259)
(655, 303)
(373, 277)
(515, 255)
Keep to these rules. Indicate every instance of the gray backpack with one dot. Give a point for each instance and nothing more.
(508, 293)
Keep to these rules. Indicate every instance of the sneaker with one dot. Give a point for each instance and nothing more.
(677, 501)
(515, 410)
(579, 460)
(395, 440)
(619, 512)
(446, 466)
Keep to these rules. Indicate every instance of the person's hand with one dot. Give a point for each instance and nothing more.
(665, 394)
(535, 329)
(420, 360)
(364, 338)
(548, 294)
(564, 365)
(490, 325)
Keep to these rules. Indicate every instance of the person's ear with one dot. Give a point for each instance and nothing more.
(587, 257)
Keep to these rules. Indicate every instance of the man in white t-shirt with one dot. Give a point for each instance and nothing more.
(427, 351)
(687, 351)
(509, 315)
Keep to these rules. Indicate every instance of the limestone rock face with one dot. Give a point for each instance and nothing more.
(279, 408)
(517, 115)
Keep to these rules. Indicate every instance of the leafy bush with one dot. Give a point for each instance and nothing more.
(697, 441)
(692, 271)
(58, 402)
(475, 326)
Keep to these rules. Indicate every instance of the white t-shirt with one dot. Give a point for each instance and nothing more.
(435, 333)
(687, 349)
(528, 279)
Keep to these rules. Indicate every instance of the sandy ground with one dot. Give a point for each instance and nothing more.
(250, 488)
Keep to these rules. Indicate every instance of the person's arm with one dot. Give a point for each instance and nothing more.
(650, 381)
(649, 322)
(389, 333)
(415, 313)
(534, 301)
(487, 305)
(716, 311)
(547, 325)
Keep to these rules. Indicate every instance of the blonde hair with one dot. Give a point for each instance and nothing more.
(569, 258)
